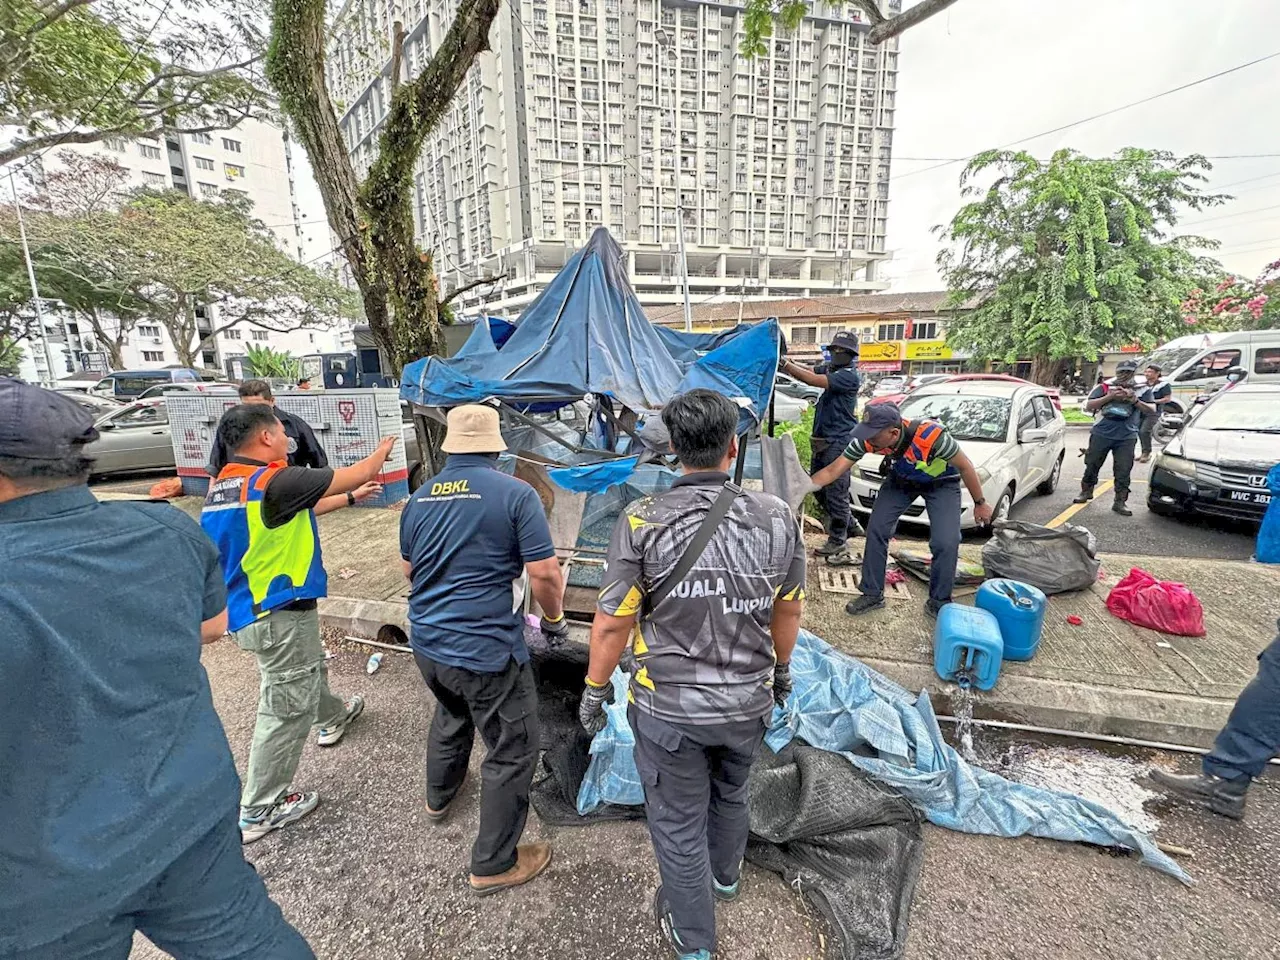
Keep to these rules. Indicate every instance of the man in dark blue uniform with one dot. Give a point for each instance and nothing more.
(466, 536)
(1123, 403)
(833, 423)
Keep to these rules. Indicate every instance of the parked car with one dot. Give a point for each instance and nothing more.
(164, 389)
(794, 388)
(1197, 365)
(98, 406)
(1055, 395)
(1217, 461)
(889, 386)
(134, 438)
(130, 384)
(1012, 432)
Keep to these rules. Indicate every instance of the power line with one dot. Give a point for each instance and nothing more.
(1104, 113)
(1229, 216)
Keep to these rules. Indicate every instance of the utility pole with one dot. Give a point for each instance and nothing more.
(684, 268)
(35, 291)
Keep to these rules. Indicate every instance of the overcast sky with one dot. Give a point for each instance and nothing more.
(988, 72)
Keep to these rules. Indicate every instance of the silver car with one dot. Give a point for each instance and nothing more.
(132, 439)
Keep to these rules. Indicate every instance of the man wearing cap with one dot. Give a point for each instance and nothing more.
(833, 421)
(304, 383)
(466, 536)
(118, 795)
(921, 459)
(261, 513)
(304, 448)
(1121, 404)
(1161, 394)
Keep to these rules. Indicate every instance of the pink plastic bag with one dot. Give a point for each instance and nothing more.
(1158, 604)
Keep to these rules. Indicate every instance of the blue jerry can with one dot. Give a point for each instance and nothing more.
(967, 644)
(1019, 608)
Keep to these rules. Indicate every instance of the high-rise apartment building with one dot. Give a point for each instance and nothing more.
(635, 114)
(254, 159)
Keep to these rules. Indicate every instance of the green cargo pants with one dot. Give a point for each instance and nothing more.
(294, 695)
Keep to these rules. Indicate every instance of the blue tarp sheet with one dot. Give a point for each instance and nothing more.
(487, 337)
(586, 333)
(594, 477)
(840, 705)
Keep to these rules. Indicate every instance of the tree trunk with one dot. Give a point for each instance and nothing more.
(375, 222)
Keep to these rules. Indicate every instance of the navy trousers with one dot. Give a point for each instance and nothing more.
(209, 904)
(834, 497)
(695, 797)
(943, 505)
(1252, 734)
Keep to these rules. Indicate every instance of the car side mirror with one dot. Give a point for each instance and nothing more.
(109, 425)
(1033, 435)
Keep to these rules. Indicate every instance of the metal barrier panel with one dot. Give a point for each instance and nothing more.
(347, 423)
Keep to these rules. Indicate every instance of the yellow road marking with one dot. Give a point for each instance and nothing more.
(1075, 508)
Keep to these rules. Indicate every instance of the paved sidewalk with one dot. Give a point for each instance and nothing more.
(1105, 676)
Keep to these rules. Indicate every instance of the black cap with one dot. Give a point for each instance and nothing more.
(39, 424)
(844, 340)
(877, 417)
(302, 380)
(1127, 365)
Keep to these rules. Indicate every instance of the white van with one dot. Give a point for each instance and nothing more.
(1198, 364)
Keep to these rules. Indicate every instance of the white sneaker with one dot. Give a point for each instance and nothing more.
(328, 736)
(291, 807)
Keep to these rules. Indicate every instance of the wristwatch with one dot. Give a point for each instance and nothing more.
(980, 501)
(351, 499)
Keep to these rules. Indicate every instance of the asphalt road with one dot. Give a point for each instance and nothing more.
(368, 877)
(1144, 533)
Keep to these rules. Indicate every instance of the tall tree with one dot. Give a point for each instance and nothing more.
(1059, 259)
(10, 357)
(81, 71)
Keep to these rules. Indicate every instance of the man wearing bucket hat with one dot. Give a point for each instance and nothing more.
(119, 789)
(834, 418)
(1123, 403)
(921, 459)
(466, 536)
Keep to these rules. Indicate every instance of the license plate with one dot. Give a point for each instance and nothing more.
(1247, 496)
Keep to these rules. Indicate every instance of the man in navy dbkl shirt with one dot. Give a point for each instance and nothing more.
(466, 536)
(117, 787)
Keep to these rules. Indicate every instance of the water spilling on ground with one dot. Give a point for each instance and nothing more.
(962, 708)
(1107, 779)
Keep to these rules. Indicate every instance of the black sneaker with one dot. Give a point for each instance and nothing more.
(830, 548)
(662, 912)
(863, 604)
(1224, 797)
(934, 607)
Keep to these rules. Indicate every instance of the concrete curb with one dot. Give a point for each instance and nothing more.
(1086, 708)
(1059, 704)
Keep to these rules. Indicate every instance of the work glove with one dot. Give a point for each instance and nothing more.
(781, 684)
(591, 707)
(556, 632)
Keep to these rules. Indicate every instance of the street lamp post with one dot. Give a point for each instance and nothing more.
(35, 291)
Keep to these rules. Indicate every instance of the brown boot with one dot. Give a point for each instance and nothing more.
(531, 860)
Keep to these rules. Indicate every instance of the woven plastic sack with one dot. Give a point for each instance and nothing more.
(1055, 559)
(1157, 604)
(1268, 548)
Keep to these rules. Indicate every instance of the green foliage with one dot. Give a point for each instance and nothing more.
(1064, 258)
(10, 357)
(1230, 302)
(268, 362)
(160, 256)
(77, 71)
(758, 19)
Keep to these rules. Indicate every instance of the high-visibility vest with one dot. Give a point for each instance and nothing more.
(914, 467)
(265, 568)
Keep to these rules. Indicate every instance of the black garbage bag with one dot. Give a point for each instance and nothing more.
(850, 846)
(1055, 559)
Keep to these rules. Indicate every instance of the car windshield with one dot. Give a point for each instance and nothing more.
(1169, 359)
(968, 417)
(1256, 414)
